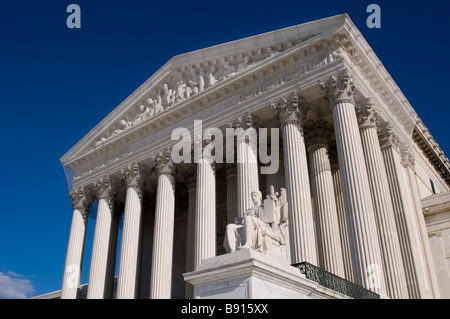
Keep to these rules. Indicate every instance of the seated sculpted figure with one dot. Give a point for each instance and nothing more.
(264, 222)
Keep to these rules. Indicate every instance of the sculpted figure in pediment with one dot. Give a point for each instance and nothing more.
(158, 107)
(181, 87)
(146, 112)
(102, 139)
(210, 76)
(211, 80)
(196, 82)
(188, 81)
(168, 96)
(123, 125)
(181, 91)
(151, 107)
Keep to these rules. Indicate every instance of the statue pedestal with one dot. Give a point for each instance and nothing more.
(248, 274)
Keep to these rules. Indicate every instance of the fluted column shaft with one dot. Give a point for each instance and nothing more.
(422, 281)
(163, 239)
(366, 253)
(301, 224)
(433, 291)
(398, 190)
(127, 285)
(231, 176)
(384, 211)
(247, 175)
(100, 249)
(75, 249)
(327, 225)
(161, 276)
(102, 239)
(422, 227)
(427, 280)
(205, 214)
(247, 163)
(342, 220)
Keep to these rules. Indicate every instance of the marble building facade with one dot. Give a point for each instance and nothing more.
(356, 167)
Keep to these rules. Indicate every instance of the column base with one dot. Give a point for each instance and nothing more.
(248, 274)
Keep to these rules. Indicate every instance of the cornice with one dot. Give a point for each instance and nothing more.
(428, 145)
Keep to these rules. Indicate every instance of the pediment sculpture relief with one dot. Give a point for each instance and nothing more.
(181, 85)
(263, 227)
(190, 80)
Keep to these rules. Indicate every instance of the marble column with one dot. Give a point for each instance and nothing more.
(390, 149)
(292, 112)
(81, 199)
(205, 209)
(382, 203)
(231, 177)
(247, 163)
(430, 283)
(127, 284)
(105, 188)
(340, 207)
(317, 136)
(161, 277)
(366, 253)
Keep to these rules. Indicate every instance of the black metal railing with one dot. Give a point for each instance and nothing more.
(335, 283)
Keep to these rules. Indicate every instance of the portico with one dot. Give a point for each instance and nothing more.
(317, 84)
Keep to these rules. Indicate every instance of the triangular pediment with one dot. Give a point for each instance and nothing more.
(190, 74)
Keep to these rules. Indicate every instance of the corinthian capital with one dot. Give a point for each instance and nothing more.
(291, 109)
(367, 115)
(106, 188)
(388, 137)
(82, 199)
(134, 175)
(163, 162)
(407, 156)
(245, 122)
(339, 88)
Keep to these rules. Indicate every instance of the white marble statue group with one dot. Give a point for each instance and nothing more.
(263, 227)
(181, 86)
(189, 83)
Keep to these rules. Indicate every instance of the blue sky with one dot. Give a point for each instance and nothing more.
(57, 83)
